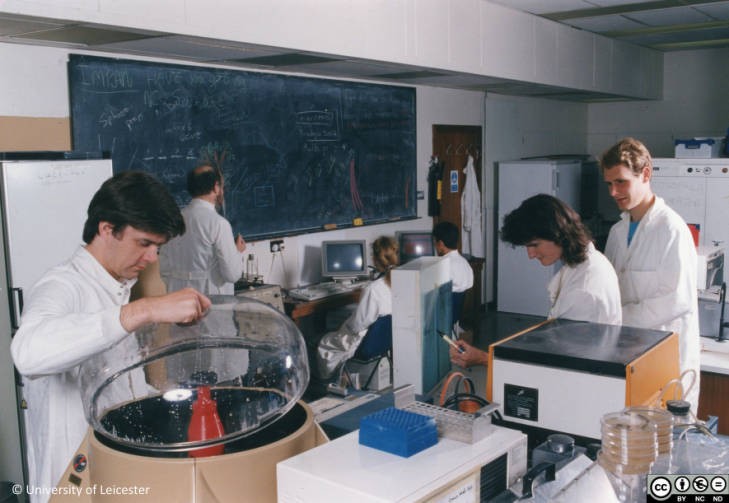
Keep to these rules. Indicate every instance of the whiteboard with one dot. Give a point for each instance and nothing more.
(44, 210)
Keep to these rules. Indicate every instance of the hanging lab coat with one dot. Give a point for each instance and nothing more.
(472, 222)
(205, 256)
(71, 314)
(335, 348)
(657, 276)
(588, 291)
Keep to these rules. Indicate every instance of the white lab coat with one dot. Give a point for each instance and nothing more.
(205, 257)
(657, 276)
(471, 220)
(337, 347)
(71, 314)
(588, 291)
(461, 272)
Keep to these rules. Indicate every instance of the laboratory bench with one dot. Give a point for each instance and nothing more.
(714, 387)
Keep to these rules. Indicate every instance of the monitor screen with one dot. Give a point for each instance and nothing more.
(414, 244)
(344, 259)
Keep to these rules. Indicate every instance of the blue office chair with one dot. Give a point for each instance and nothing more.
(376, 345)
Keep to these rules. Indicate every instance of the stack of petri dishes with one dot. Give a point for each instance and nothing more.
(631, 444)
(663, 420)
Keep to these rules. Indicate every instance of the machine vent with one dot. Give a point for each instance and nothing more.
(493, 478)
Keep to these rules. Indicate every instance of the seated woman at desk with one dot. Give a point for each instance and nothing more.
(335, 348)
(586, 286)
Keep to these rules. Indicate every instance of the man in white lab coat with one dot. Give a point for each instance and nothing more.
(445, 236)
(654, 256)
(81, 307)
(206, 257)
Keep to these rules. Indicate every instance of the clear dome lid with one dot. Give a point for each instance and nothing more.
(153, 390)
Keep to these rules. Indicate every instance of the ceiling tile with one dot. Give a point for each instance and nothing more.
(614, 3)
(288, 59)
(602, 24)
(188, 47)
(545, 7)
(9, 26)
(81, 35)
(664, 17)
(718, 11)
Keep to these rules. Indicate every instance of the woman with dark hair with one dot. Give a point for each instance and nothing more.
(585, 288)
(335, 348)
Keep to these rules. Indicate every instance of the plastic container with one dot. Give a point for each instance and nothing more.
(247, 356)
(683, 419)
(697, 148)
(398, 431)
(205, 424)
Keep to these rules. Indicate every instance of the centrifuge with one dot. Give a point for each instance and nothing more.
(199, 412)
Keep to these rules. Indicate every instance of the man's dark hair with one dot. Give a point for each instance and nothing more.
(546, 217)
(135, 199)
(446, 232)
(202, 179)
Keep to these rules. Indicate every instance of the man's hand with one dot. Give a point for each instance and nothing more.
(240, 243)
(183, 306)
(469, 356)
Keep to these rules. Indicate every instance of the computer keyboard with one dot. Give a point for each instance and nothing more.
(323, 290)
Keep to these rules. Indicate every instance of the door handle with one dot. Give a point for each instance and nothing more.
(16, 306)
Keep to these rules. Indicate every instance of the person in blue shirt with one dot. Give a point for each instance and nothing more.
(653, 252)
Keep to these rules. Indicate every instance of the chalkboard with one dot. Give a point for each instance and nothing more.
(297, 153)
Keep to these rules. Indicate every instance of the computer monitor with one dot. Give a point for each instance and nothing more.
(344, 260)
(414, 244)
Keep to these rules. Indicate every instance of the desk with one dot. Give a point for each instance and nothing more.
(310, 315)
(297, 310)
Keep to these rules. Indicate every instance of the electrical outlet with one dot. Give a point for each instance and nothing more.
(276, 245)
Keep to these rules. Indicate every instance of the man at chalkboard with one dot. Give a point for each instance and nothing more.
(206, 257)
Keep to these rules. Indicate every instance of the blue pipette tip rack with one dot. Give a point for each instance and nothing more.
(398, 431)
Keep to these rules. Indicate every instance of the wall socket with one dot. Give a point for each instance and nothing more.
(276, 245)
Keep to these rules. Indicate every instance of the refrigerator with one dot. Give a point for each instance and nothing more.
(44, 204)
(698, 190)
(521, 283)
